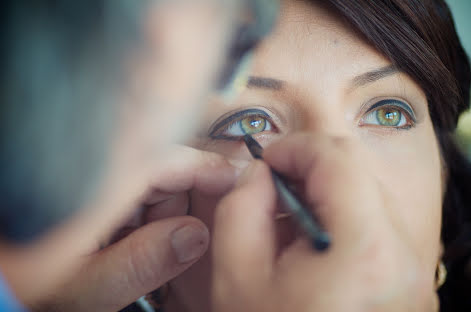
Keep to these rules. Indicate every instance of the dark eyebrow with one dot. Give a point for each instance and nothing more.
(358, 81)
(265, 83)
(373, 76)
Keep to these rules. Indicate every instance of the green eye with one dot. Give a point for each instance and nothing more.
(253, 124)
(391, 114)
(250, 121)
(389, 117)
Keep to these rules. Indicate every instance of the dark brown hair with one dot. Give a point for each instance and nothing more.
(419, 38)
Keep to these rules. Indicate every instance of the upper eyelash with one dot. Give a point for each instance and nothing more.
(226, 122)
(393, 102)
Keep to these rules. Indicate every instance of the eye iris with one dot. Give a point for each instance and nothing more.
(388, 116)
(252, 125)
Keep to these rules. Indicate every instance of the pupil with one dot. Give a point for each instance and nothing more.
(255, 123)
(252, 125)
(389, 117)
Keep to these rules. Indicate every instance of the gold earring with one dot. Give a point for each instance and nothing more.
(440, 275)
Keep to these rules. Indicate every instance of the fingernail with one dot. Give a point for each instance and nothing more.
(190, 242)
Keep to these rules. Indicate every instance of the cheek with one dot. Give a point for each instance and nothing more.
(409, 170)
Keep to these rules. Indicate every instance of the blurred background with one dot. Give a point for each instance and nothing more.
(461, 10)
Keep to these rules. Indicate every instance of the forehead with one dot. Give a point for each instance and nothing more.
(311, 41)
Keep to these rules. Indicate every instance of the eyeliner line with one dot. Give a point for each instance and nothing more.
(393, 103)
(228, 120)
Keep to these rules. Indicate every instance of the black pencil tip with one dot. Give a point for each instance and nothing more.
(255, 149)
(321, 242)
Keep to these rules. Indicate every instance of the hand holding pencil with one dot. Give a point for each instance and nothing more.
(293, 204)
(359, 271)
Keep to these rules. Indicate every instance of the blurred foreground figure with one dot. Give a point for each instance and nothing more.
(92, 94)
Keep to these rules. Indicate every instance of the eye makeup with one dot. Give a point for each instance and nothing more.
(242, 122)
(320, 239)
(389, 114)
(394, 102)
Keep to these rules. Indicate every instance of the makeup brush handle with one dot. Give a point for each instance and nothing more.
(319, 238)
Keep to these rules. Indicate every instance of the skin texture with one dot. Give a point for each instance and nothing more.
(317, 58)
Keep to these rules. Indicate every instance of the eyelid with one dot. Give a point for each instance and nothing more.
(234, 116)
(393, 102)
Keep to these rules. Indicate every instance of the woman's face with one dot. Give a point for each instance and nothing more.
(314, 74)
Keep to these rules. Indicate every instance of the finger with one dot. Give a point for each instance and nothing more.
(140, 263)
(170, 205)
(339, 190)
(166, 206)
(244, 233)
(182, 169)
(185, 168)
(295, 155)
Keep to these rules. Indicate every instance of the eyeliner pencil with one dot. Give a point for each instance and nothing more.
(320, 239)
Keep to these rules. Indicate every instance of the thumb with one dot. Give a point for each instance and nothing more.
(140, 263)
